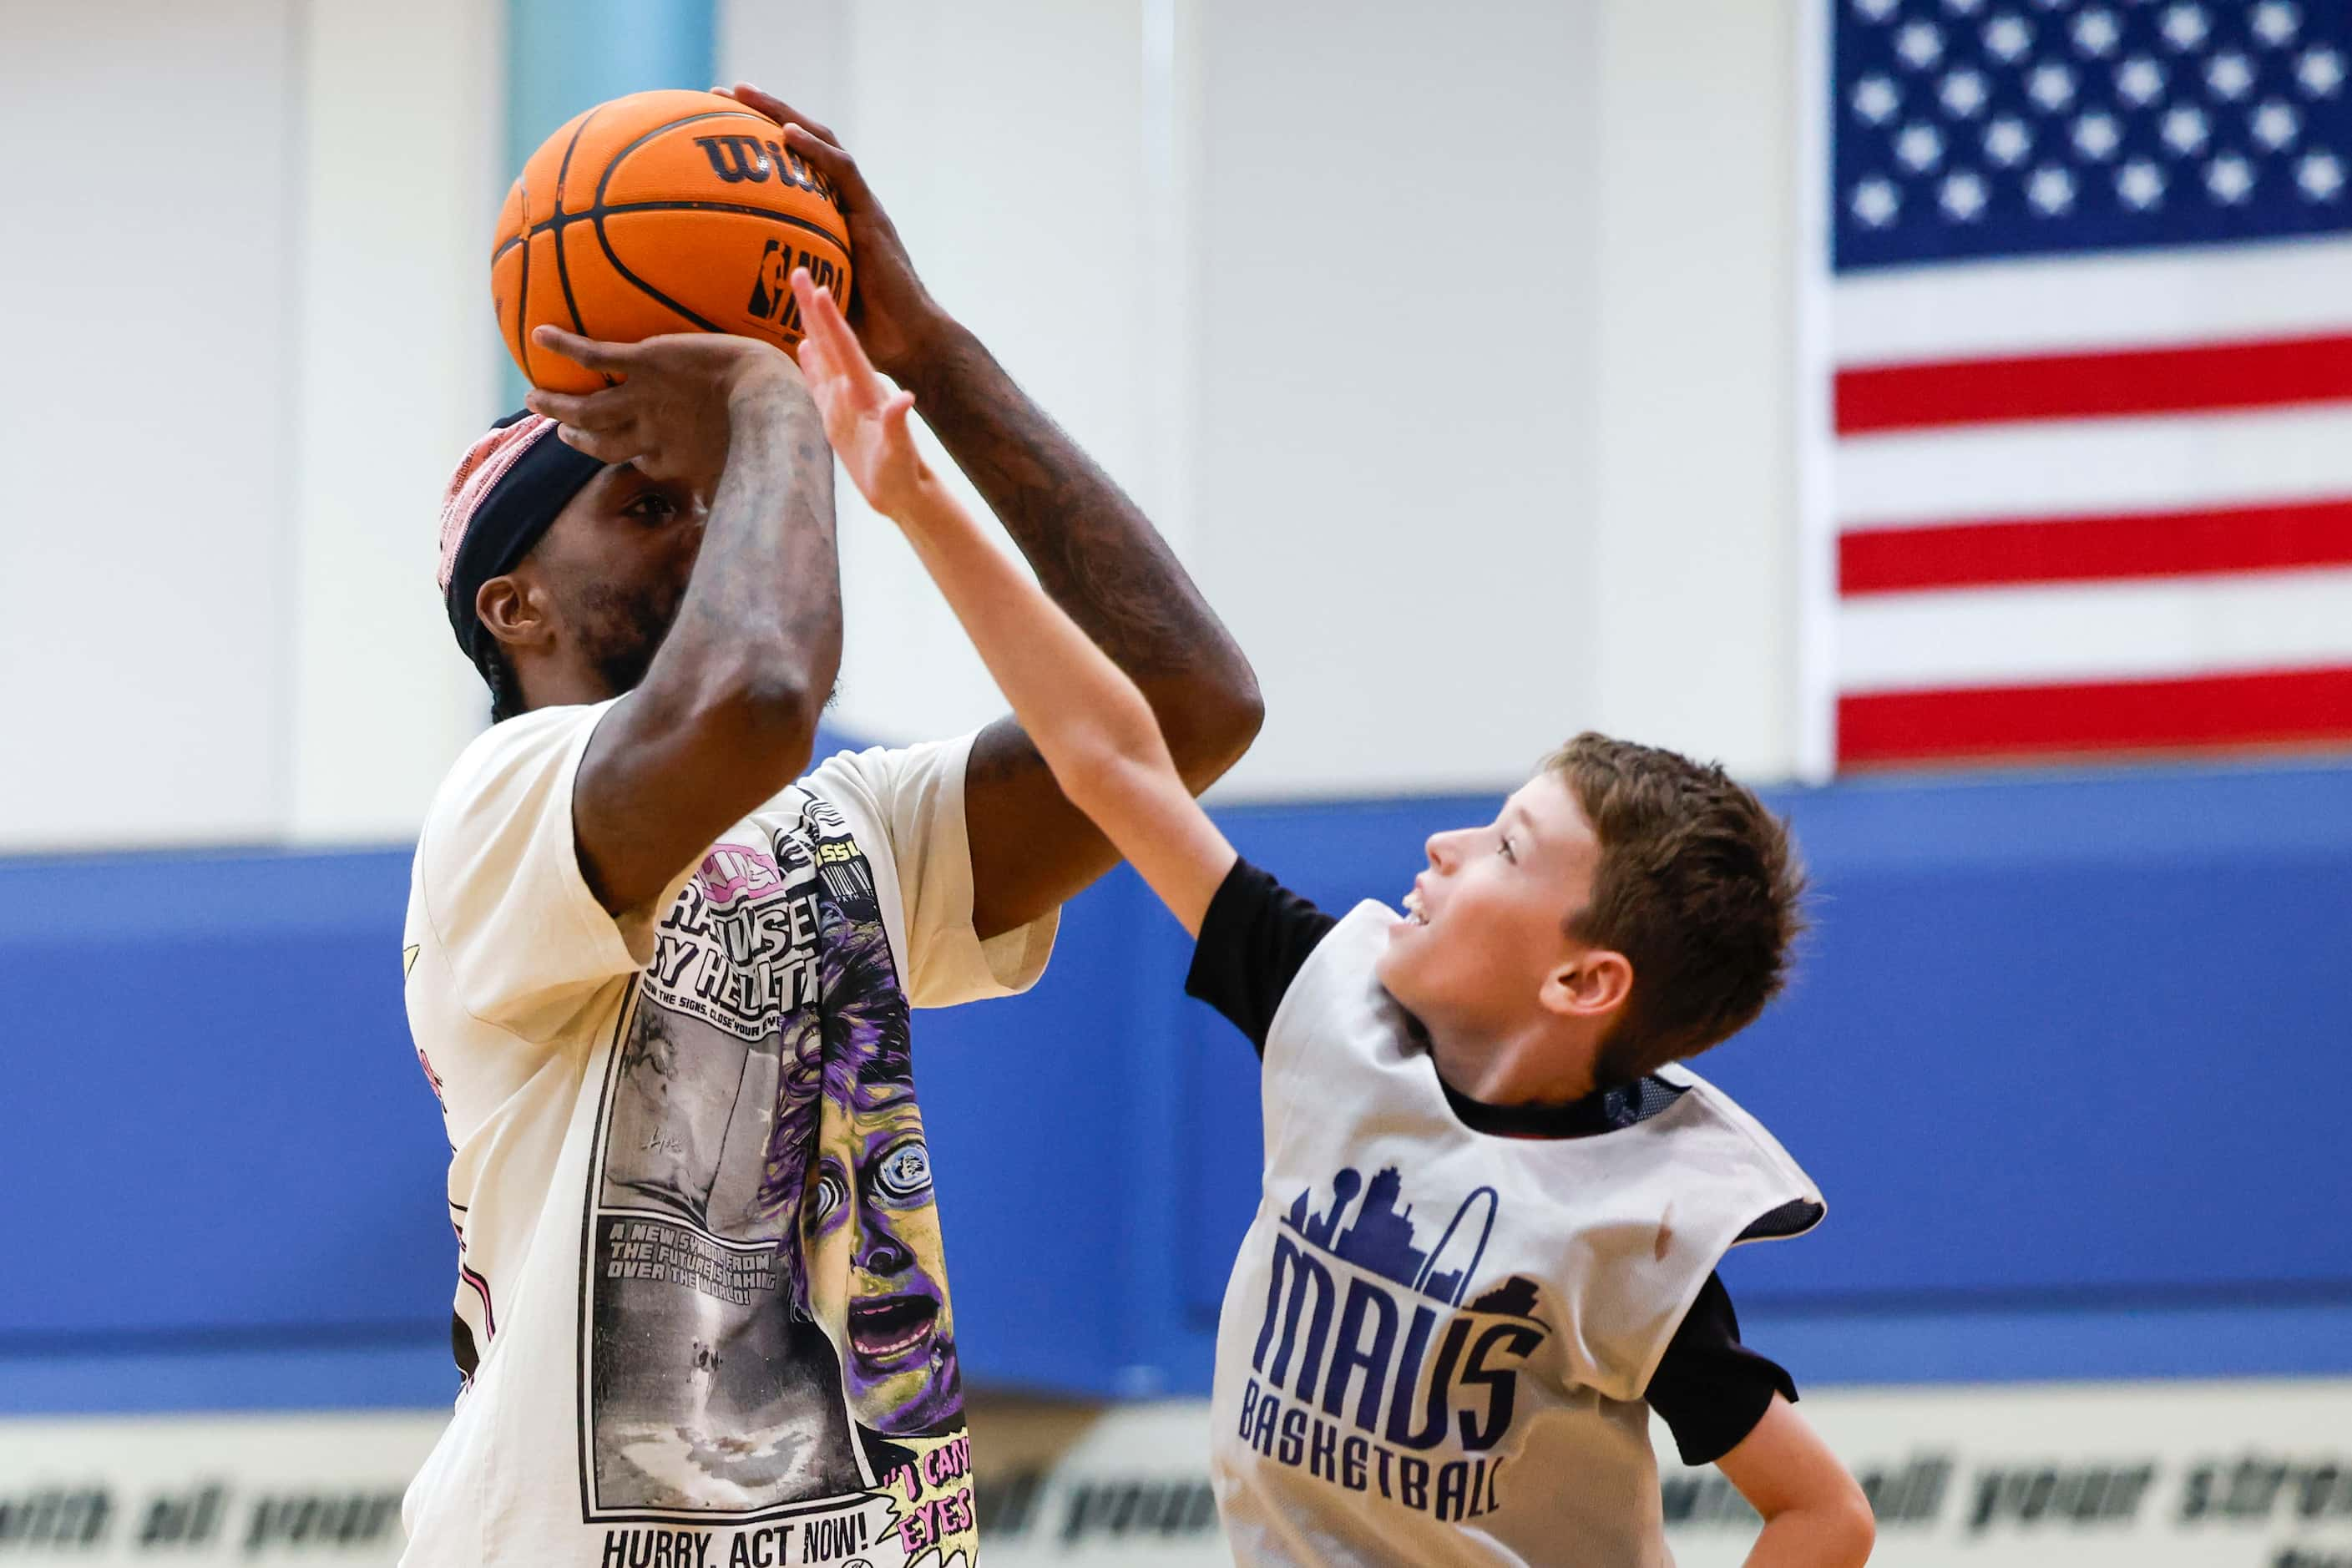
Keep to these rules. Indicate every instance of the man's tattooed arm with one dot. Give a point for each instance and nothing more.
(1094, 552)
(1100, 559)
(728, 710)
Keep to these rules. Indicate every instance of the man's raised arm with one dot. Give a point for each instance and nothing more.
(727, 713)
(1093, 552)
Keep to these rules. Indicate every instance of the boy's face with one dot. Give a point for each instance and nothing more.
(1486, 923)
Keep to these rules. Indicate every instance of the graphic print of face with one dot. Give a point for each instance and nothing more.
(871, 1194)
(847, 1153)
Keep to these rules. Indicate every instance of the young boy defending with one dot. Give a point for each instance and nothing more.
(1492, 1207)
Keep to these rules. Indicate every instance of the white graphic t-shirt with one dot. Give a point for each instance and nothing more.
(701, 1311)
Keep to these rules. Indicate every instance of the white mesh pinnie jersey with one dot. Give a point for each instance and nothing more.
(1435, 1341)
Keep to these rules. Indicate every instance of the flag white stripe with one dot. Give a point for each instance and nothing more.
(2093, 467)
(2042, 305)
(2038, 635)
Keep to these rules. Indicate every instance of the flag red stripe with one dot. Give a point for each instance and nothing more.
(2281, 706)
(2090, 549)
(2200, 379)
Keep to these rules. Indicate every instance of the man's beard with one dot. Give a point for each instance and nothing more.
(626, 631)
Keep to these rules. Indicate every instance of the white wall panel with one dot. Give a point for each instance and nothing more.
(397, 366)
(1007, 143)
(1213, 240)
(1394, 248)
(149, 151)
(1456, 358)
(1695, 379)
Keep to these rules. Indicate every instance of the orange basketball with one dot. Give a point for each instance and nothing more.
(661, 212)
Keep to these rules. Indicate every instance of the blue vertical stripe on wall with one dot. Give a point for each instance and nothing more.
(563, 55)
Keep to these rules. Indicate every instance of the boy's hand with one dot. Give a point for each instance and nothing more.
(865, 415)
(672, 413)
(891, 311)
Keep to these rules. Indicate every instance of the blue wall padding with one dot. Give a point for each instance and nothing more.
(216, 1107)
(2058, 1049)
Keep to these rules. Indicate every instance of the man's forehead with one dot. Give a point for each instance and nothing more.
(614, 474)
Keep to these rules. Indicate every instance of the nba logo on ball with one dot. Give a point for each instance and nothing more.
(772, 286)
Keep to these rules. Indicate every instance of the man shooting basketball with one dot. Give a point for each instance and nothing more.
(662, 989)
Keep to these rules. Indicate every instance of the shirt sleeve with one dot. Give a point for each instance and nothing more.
(1254, 940)
(498, 867)
(1710, 1389)
(916, 794)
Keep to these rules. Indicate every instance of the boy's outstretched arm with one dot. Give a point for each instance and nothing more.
(1093, 552)
(1815, 1514)
(1087, 719)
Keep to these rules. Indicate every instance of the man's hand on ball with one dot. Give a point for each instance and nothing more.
(865, 415)
(670, 413)
(890, 311)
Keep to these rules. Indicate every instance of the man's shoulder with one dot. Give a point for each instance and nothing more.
(842, 800)
(499, 798)
(536, 738)
(897, 790)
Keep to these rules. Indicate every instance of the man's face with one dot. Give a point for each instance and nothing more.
(1487, 919)
(872, 1196)
(615, 563)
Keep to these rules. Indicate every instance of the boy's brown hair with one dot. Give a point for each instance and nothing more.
(1698, 885)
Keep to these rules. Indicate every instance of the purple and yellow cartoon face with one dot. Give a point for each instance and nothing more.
(872, 1218)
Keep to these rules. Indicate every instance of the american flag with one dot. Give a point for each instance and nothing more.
(2089, 334)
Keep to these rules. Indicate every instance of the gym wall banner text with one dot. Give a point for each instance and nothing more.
(2216, 1475)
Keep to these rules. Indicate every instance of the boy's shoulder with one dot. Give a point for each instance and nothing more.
(1740, 1128)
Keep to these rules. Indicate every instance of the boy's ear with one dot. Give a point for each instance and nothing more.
(1591, 984)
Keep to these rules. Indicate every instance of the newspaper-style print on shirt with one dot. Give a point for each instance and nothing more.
(769, 1335)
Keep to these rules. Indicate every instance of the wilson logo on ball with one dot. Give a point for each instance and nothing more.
(772, 286)
(741, 159)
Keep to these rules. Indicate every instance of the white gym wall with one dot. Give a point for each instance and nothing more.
(226, 446)
(1455, 360)
(145, 425)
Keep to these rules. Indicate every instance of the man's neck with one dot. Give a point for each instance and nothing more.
(552, 685)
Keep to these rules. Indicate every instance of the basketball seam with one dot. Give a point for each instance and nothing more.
(737, 208)
(614, 162)
(562, 267)
(522, 294)
(599, 210)
(596, 212)
(656, 295)
(648, 289)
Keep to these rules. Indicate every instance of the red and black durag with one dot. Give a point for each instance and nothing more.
(509, 488)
